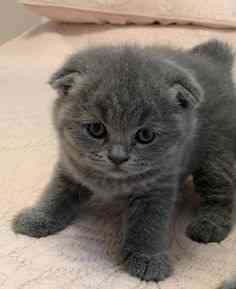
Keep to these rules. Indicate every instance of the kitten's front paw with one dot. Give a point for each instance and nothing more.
(149, 268)
(209, 227)
(34, 223)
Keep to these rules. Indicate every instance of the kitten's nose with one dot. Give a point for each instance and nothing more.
(118, 154)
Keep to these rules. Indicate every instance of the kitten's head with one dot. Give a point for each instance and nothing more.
(124, 111)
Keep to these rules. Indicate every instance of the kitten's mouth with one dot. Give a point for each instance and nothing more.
(117, 172)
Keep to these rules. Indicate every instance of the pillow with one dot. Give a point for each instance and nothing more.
(217, 13)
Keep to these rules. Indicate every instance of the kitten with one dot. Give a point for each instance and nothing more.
(135, 122)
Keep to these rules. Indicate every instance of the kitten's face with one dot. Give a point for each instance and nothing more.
(121, 143)
(123, 122)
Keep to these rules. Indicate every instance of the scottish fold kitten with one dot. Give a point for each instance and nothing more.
(135, 122)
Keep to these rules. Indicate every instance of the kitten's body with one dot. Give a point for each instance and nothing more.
(163, 114)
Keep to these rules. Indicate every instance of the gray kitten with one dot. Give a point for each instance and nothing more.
(135, 122)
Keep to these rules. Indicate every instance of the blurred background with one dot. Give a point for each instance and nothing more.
(14, 19)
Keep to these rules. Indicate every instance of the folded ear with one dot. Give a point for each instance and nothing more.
(185, 97)
(64, 80)
(215, 50)
(184, 89)
(68, 75)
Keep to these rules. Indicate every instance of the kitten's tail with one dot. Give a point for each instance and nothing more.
(229, 284)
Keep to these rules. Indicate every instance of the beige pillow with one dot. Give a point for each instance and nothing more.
(217, 13)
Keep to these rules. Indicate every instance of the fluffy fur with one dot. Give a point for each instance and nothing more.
(160, 115)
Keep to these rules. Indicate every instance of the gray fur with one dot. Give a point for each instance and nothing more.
(187, 101)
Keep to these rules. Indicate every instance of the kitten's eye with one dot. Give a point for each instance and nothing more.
(145, 135)
(96, 130)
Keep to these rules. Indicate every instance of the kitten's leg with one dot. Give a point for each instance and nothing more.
(214, 181)
(146, 234)
(57, 208)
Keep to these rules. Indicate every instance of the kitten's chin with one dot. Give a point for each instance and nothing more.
(122, 174)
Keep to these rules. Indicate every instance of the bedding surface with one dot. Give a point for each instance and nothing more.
(85, 255)
(210, 13)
